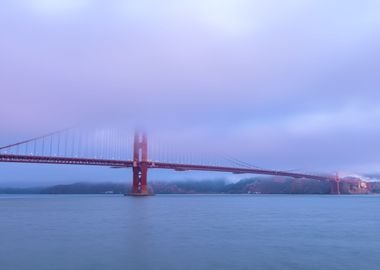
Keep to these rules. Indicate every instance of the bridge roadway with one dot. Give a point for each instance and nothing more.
(154, 165)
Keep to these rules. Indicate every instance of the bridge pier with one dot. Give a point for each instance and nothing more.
(140, 166)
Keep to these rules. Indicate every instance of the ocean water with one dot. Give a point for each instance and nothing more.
(61, 232)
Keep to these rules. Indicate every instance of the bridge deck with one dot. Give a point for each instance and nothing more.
(64, 160)
(154, 165)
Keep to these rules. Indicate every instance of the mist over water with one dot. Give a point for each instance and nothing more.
(189, 232)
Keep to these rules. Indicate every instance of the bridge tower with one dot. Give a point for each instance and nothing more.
(335, 186)
(140, 165)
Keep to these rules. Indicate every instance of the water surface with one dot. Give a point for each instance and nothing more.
(60, 232)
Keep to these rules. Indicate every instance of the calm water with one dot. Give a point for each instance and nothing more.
(189, 232)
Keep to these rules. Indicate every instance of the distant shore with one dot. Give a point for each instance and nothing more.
(258, 185)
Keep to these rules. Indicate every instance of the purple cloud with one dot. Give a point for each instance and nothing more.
(285, 85)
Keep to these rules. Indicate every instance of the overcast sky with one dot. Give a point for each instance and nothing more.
(290, 84)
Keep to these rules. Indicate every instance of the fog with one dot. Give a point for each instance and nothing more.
(288, 85)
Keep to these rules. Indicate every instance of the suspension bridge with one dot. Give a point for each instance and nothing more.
(105, 149)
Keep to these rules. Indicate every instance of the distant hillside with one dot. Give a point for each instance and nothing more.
(257, 185)
(6, 190)
(87, 188)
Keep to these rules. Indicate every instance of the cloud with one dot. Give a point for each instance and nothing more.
(55, 7)
(274, 82)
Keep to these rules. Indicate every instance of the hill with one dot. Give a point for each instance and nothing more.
(256, 185)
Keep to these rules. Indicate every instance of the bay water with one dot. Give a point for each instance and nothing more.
(61, 232)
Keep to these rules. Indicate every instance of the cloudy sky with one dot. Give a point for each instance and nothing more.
(290, 84)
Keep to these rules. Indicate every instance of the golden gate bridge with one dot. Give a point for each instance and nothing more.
(68, 148)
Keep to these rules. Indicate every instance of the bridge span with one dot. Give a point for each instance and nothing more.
(140, 164)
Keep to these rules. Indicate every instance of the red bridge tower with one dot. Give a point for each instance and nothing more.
(140, 165)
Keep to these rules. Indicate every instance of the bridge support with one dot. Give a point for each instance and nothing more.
(140, 167)
(335, 185)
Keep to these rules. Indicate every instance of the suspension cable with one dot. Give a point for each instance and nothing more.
(34, 139)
